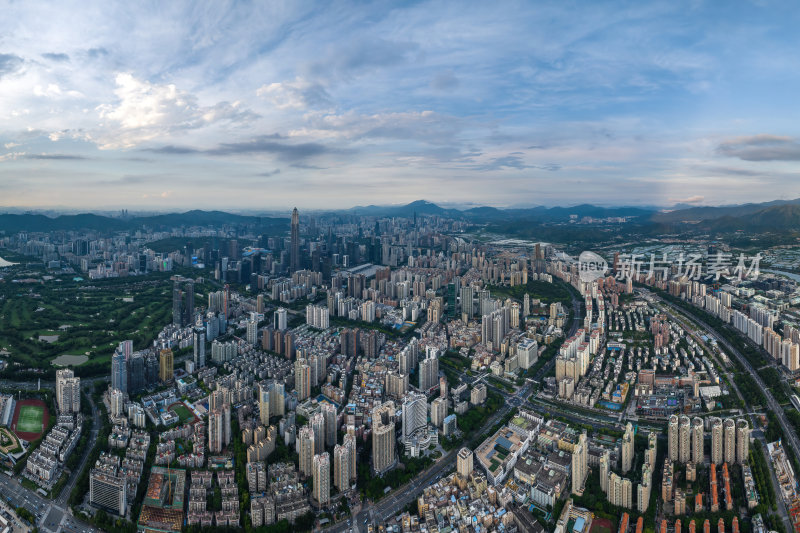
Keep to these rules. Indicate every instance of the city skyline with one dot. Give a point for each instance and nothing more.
(333, 106)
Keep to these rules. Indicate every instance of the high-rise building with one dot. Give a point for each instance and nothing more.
(294, 259)
(277, 399)
(729, 440)
(698, 454)
(438, 411)
(116, 401)
(199, 344)
(383, 456)
(329, 414)
(672, 438)
(684, 440)
(580, 457)
(188, 307)
(322, 479)
(742, 441)
(280, 319)
(716, 441)
(177, 305)
(604, 470)
(68, 392)
(464, 463)
(627, 448)
(306, 438)
(318, 425)
(165, 365)
(415, 414)
(302, 379)
(219, 428)
(252, 332)
(349, 441)
(341, 467)
(264, 409)
(119, 371)
(108, 490)
(429, 369)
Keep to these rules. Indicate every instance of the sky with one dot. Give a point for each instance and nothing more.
(265, 105)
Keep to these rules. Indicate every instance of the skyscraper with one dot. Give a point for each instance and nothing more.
(697, 441)
(429, 369)
(716, 440)
(166, 368)
(415, 414)
(627, 448)
(188, 307)
(306, 438)
(177, 305)
(263, 404)
(199, 342)
(383, 457)
(322, 479)
(318, 425)
(580, 458)
(302, 379)
(438, 411)
(68, 392)
(294, 259)
(672, 438)
(350, 442)
(119, 371)
(329, 414)
(684, 440)
(729, 447)
(219, 428)
(742, 441)
(341, 467)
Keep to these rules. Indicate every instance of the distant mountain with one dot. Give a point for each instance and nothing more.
(694, 214)
(12, 223)
(785, 217)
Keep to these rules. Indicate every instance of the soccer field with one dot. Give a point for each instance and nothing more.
(183, 412)
(30, 419)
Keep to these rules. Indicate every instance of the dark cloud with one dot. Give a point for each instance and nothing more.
(269, 173)
(265, 144)
(761, 148)
(57, 157)
(52, 56)
(445, 81)
(303, 166)
(9, 63)
(361, 56)
(94, 53)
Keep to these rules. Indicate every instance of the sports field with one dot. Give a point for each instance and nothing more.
(30, 419)
(183, 412)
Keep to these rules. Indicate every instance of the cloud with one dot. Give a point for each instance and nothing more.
(696, 199)
(9, 64)
(10, 145)
(59, 58)
(445, 81)
(761, 148)
(360, 56)
(57, 157)
(269, 173)
(297, 94)
(146, 111)
(11, 156)
(263, 144)
(94, 53)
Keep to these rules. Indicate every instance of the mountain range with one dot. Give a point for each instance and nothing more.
(779, 215)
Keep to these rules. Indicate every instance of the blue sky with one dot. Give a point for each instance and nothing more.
(168, 105)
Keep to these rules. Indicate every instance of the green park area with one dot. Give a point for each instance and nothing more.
(541, 290)
(42, 320)
(9, 443)
(30, 419)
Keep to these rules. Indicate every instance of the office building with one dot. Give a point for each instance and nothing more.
(199, 344)
(108, 490)
(294, 253)
(165, 365)
(119, 371)
(383, 439)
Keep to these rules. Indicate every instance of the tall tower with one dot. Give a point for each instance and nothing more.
(263, 404)
(742, 441)
(322, 478)
(295, 251)
(716, 441)
(306, 439)
(729, 448)
(579, 463)
(464, 462)
(341, 467)
(318, 425)
(685, 440)
(329, 413)
(697, 441)
(627, 449)
(672, 439)
(383, 457)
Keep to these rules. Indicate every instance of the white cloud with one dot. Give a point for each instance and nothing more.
(297, 94)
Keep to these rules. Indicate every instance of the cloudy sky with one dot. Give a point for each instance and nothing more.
(169, 105)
